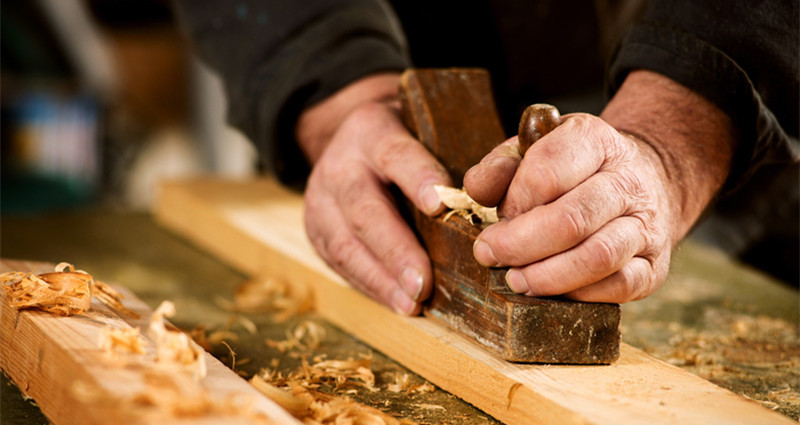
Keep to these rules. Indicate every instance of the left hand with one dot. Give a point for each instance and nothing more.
(589, 212)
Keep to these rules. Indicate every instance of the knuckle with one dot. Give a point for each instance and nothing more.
(392, 151)
(602, 256)
(574, 223)
(544, 183)
(362, 213)
(340, 250)
(629, 286)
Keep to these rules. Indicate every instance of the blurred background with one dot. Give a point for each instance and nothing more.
(100, 100)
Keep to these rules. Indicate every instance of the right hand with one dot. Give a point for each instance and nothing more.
(360, 147)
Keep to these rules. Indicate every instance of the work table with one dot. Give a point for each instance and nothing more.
(715, 318)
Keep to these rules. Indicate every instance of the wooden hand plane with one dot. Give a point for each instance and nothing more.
(452, 112)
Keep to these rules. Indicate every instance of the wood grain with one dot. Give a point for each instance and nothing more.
(257, 226)
(57, 361)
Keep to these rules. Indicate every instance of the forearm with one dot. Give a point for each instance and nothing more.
(693, 139)
(277, 58)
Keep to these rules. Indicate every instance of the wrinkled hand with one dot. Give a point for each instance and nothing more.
(586, 213)
(351, 218)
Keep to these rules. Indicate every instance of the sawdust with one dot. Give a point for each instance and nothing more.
(461, 204)
(299, 392)
(732, 347)
(61, 292)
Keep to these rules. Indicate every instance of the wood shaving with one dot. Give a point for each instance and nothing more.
(402, 383)
(121, 340)
(315, 407)
(344, 373)
(307, 335)
(271, 295)
(175, 347)
(461, 204)
(429, 406)
(219, 337)
(65, 291)
(207, 340)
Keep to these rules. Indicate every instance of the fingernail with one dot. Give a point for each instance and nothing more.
(484, 254)
(516, 281)
(430, 199)
(401, 302)
(412, 282)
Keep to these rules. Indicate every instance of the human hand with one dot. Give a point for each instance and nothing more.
(587, 214)
(593, 213)
(359, 147)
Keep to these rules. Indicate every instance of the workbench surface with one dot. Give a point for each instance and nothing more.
(717, 319)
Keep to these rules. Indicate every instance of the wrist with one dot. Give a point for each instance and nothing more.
(317, 124)
(692, 140)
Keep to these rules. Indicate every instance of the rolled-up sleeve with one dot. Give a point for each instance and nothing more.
(742, 56)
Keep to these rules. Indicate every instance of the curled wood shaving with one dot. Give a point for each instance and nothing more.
(307, 335)
(121, 340)
(314, 407)
(402, 383)
(65, 291)
(344, 373)
(269, 294)
(460, 203)
(175, 347)
(295, 406)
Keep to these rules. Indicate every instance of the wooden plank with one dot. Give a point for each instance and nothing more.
(57, 361)
(257, 226)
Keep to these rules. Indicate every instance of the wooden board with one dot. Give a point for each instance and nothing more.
(257, 227)
(57, 361)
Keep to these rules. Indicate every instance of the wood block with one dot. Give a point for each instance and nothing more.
(452, 113)
(57, 361)
(257, 227)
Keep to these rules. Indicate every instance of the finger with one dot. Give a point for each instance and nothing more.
(488, 181)
(371, 214)
(349, 257)
(634, 281)
(557, 162)
(596, 258)
(555, 227)
(403, 160)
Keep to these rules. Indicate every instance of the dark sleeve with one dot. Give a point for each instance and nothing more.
(742, 56)
(278, 57)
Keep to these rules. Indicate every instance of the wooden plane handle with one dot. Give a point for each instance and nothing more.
(537, 120)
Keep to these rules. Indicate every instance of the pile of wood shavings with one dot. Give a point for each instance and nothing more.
(461, 204)
(271, 295)
(299, 393)
(65, 291)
